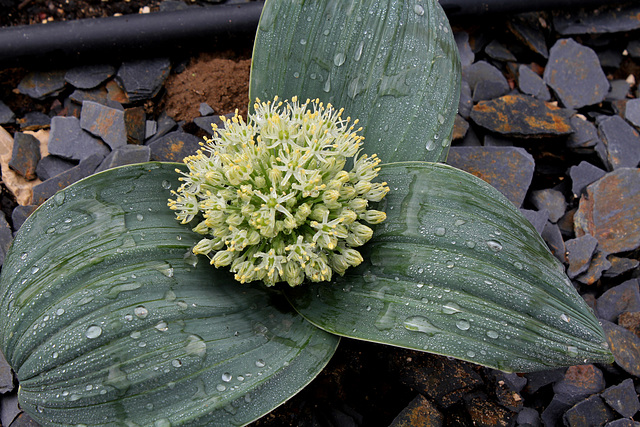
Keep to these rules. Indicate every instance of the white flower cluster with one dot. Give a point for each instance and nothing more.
(273, 199)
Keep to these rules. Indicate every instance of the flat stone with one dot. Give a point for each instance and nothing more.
(624, 297)
(599, 264)
(508, 169)
(550, 200)
(618, 90)
(34, 120)
(585, 133)
(623, 422)
(522, 116)
(98, 94)
(486, 81)
(126, 155)
(6, 374)
(174, 147)
(606, 19)
(9, 408)
(624, 345)
(580, 382)
(142, 79)
(6, 115)
(104, 122)
(553, 238)
(205, 123)
(418, 412)
(460, 128)
(575, 75)
(532, 84)
(630, 321)
(70, 141)
(632, 111)
(24, 420)
(610, 58)
(484, 412)
(526, 28)
(565, 224)
(20, 214)
(48, 188)
(622, 142)
(150, 129)
(539, 379)
(20, 187)
(633, 48)
(590, 412)
(41, 84)
(508, 397)
(528, 417)
(582, 175)
(622, 398)
(537, 218)
(579, 253)
(610, 211)
(135, 121)
(164, 125)
(620, 266)
(89, 76)
(6, 237)
(491, 140)
(50, 166)
(205, 109)
(25, 155)
(552, 414)
(499, 52)
(466, 100)
(464, 48)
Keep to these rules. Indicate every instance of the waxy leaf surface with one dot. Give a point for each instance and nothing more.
(391, 64)
(456, 270)
(108, 317)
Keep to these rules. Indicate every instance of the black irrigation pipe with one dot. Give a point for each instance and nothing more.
(164, 33)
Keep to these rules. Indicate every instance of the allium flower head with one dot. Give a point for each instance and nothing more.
(273, 199)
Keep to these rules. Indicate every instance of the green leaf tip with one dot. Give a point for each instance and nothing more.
(450, 272)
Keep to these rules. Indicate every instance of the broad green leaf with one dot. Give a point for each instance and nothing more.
(109, 319)
(391, 64)
(456, 270)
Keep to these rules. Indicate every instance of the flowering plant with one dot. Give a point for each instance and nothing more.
(116, 321)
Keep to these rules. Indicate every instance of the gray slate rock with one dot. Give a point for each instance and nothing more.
(50, 166)
(537, 218)
(592, 411)
(205, 109)
(34, 120)
(48, 188)
(164, 125)
(6, 373)
(41, 84)
(623, 422)
(104, 122)
(68, 140)
(585, 134)
(620, 266)
(464, 48)
(9, 408)
(552, 414)
(466, 100)
(575, 75)
(6, 115)
(632, 112)
(150, 129)
(618, 90)
(89, 76)
(20, 214)
(619, 299)
(625, 346)
(486, 81)
(526, 27)
(205, 123)
(174, 147)
(126, 155)
(6, 237)
(143, 79)
(622, 398)
(528, 417)
(532, 84)
(25, 155)
(579, 253)
(612, 18)
(499, 52)
(550, 200)
(580, 382)
(553, 238)
(582, 175)
(622, 142)
(633, 48)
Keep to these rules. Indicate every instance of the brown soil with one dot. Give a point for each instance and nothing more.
(219, 79)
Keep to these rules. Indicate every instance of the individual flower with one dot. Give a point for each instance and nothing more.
(272, 198)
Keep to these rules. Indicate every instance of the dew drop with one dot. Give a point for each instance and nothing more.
(463, 325)
(296, 75)
(470, 244)
(387, 318)
(338, 60)
(162, 423)
(420, 324)
(51, 230)
(471, 353)
(139, 217)
(93, 332)
(431, 145)
(60, 311)
(221, 387)
(141, 312)
(24, 256)
(494, 245)
(572, 351)
(325, 32)
(440, 231)
(135, 335)
(565, 318)
(34, 270)
(451, 308)
(358, 53)
(176, 363)
(420, 270)
(450, 264)
(162, 326)
(327, 84)
(419, 10)
(226, 377)
(303, 42)
(55, 355)
(492, 334)
(260, 363)
(518, 265)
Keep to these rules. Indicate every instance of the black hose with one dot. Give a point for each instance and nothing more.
(113, 38)
(467, 8)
